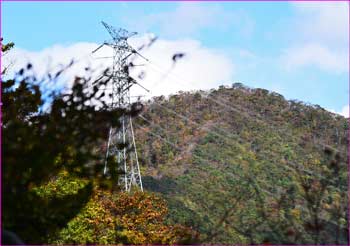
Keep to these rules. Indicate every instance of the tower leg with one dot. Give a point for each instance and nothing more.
(137, 174)
(107, 151)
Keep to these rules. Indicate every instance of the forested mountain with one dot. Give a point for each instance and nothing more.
(242, 165)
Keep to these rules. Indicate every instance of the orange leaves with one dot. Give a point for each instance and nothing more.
(136, 218)
(142, 217)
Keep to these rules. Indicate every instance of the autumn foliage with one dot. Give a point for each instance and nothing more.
(112, 218)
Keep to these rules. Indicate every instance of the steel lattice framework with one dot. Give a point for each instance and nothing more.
(128, 164)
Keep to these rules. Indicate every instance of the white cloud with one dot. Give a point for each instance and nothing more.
(344, 111)
(314, 54)
(52, 59)
(246, 54)
(320, 37)
(201, 68)
(323, 21)
(189, 18)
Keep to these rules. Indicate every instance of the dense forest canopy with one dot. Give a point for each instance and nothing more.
(244, 165)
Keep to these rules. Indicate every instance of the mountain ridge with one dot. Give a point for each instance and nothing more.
(205, 149)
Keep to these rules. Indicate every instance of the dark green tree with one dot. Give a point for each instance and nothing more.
(43, 133)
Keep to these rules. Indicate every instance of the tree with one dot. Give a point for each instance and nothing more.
(43, 134)
(136, 218)
(53, 167)
(4, 49)
(325, 192)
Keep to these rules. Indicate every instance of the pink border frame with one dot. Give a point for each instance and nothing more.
(165, 1)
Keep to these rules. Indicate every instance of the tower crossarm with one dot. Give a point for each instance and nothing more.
(119, 34)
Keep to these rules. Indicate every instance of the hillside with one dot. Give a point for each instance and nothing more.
(244, 165)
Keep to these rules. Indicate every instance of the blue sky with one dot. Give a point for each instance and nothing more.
(297, 49)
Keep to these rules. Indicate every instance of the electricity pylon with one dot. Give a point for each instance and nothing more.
(126, 155)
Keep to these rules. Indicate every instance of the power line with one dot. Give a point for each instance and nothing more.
(227, 104)
(291, 166)
(221, 103)
(231, 137)
(236, 176)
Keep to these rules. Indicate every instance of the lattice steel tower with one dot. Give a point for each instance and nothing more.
(121, 84)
